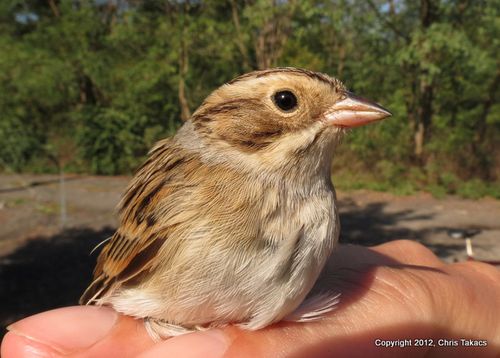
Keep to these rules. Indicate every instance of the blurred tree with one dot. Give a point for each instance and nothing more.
(92, 84)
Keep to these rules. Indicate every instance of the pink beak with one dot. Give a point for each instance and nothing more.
(354, 111)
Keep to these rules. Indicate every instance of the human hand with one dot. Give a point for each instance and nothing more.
(394, 291)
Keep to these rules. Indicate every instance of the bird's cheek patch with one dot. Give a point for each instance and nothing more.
(249, 137)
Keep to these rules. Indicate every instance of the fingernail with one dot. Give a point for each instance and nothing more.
(66, 330)
(207, 344)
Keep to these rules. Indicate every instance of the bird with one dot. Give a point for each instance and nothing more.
(232, 219)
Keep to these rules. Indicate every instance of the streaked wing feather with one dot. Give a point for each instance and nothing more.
(133, 247)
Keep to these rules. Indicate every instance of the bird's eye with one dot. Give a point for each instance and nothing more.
(285, 100)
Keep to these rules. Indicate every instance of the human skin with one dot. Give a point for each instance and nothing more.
(395, 291)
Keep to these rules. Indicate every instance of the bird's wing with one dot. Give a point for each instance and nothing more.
(134, 246)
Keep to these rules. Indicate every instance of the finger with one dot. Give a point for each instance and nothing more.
(350, 271)
(81, 331)
(207, 344)
(391, 304)
(409, 252)
(393, 253)
(350, 328)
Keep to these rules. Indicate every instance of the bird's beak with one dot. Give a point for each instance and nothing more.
(354, 111)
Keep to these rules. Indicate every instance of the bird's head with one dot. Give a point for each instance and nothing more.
(277, 117)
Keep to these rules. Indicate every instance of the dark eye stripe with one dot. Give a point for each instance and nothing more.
(333, 82)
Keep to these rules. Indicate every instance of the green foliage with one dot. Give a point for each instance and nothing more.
(476, 188)
(90, 86)
(109, 140)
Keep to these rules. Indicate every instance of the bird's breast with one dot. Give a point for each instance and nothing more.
(299, 230)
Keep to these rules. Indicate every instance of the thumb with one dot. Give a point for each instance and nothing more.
(76, 331)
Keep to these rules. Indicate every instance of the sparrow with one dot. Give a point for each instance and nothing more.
(231, 220)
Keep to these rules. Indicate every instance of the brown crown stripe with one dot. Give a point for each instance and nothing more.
(315, 75)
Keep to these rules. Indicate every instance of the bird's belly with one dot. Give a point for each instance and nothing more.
(255, 285)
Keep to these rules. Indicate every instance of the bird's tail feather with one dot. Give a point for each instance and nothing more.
(314, 308)
(95, 290)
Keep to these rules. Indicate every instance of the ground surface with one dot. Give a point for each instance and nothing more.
(45, 260)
